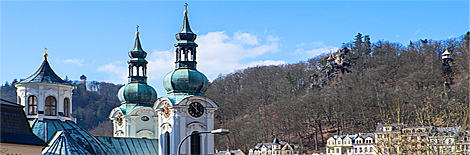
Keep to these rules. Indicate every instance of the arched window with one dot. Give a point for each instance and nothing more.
(195, 144)
(51, 106)
(66, 107)
(32, 105)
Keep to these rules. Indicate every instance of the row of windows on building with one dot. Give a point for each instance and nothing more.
(356, 150)
(50, 106)
(349, 142)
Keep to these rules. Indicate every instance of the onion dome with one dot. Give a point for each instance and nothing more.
(186, 78)
(45, 74)
(185, 81)
(137, 91)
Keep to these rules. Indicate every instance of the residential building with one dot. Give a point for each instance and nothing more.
(230, 152)
(463, 143)
(275, 148)
(387, 137)
(364, 144)
(442, 140)
(415, 140)
(340, 144)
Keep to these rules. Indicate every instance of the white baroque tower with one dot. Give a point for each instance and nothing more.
(185, 109)
(135, 118)
(45, 95)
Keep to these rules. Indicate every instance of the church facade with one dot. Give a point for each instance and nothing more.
(183, 111)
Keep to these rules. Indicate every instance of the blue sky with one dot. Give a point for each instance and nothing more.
(93, 37)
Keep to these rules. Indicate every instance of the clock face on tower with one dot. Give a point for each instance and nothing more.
(119, 119)
(196, 109)
(166, 110)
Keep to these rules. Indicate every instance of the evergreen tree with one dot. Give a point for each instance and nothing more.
(367, 45)
(357, 44)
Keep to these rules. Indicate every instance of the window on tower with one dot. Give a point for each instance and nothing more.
(195, 144)
(32, 105)
(51, 106)
(66, 106)
(167, 140)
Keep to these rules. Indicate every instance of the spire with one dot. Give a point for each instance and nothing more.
(137, 91)
(186, 47)
(330, 60)
(137, 63)
(137, 51)
(186, 28)
(185, 79)
(331, 57)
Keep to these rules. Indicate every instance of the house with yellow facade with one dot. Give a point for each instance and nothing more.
(415, 140)
(387, 138)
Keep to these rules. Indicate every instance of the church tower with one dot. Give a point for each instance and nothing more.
(185, 109)
(135, 118)
(45, 95)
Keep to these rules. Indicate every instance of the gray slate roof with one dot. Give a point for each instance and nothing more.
(14, 127)
(44, 74)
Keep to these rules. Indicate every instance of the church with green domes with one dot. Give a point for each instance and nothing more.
(184, 110)
(143, 124)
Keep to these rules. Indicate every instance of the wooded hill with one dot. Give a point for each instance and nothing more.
(382, 82)
(305, 102)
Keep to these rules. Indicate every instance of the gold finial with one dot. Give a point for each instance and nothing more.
(185, 8)
(45, 52)
(137, 33)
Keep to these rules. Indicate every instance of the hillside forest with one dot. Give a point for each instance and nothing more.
(306, 102)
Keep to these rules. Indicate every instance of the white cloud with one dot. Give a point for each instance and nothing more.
(312, 49)
(118, 72)
(267, 63)
(245, 38)
(78, 62)
(217, 53)
(160, 63)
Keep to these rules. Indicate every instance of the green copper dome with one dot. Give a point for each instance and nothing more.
(138, 93)
(185, 81)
